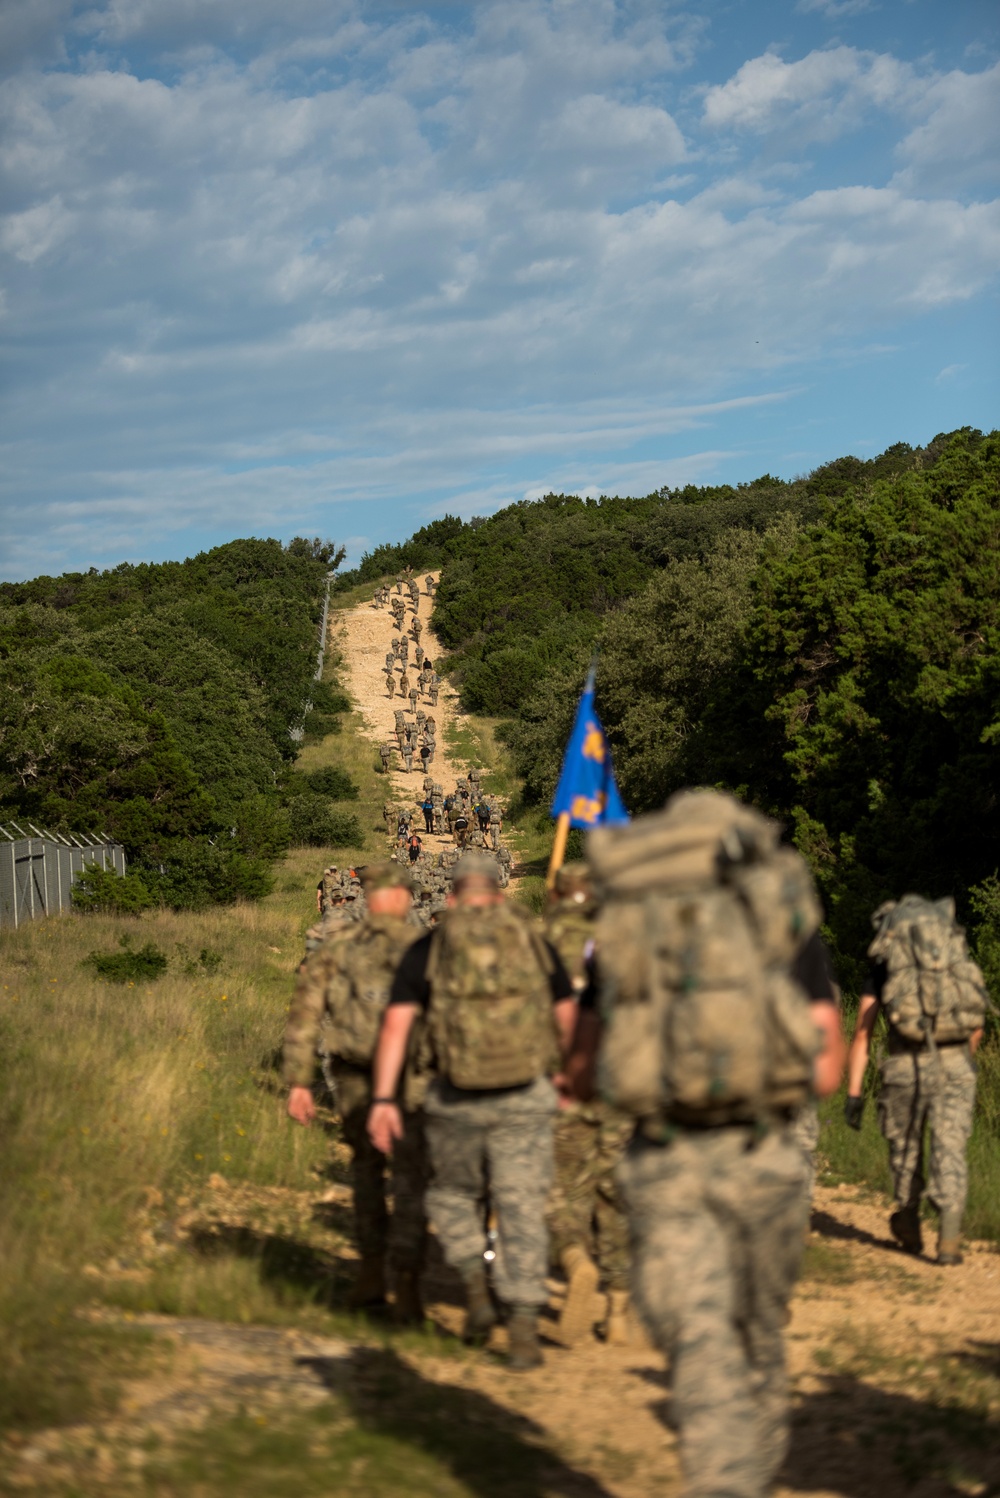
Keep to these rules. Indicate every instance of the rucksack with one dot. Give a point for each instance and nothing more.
(490, 1016)
(933, 991)
(361, 965)
(702, 915)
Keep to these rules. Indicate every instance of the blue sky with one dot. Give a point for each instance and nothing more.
(329, 266)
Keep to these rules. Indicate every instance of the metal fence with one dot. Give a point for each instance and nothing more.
(37, 869)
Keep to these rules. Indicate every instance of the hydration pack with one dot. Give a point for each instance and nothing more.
(702, 914)
(490, 1015)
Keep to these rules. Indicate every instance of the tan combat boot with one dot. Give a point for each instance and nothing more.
(950, 1239)
(368, 1291)
(623, 1327)
(408, 1308)
(577, 1316)
(522, 1331)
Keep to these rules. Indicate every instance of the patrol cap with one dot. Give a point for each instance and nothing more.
(385, 876)
(475, 866)
(574, 877)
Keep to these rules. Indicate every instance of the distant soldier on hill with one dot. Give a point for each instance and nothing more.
(418, 656)
(429, 585)
(433, 687)
(495, 825)
(407, 754)
(412, 694)
(385, 754)
(390, 683)
(404, 683)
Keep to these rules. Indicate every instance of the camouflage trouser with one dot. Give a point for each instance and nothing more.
(717, 1224)
(805, 1132)
(404, 1232)
(938, 1090)
(584, 1207)
(495, 1149)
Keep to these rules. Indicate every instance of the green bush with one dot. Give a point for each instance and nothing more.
(116, 894)
(333, 782)
(200, 874)
(314, 823)
(130, 965)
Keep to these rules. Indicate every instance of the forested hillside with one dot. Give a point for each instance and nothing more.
(155, 703)
(828, 647)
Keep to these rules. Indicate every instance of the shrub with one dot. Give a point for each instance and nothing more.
(97, 889)
(314, 824)
(200, 874)
(142, 964)
(333, 782)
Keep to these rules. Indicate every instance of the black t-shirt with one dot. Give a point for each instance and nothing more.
(877, 974)
(410, 985)
(812, 970)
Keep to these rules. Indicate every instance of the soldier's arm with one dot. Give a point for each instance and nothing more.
(857, 1056)
(305, 1015)
(828, 1067)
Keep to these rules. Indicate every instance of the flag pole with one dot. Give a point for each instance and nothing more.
(558, 849)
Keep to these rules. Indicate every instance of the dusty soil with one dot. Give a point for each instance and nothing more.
(893, 1361)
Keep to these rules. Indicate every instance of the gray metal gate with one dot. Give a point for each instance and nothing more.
(38, 868)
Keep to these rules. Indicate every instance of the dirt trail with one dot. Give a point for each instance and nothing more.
(894, 1370)
(364, 635)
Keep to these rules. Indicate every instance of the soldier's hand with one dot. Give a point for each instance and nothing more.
(385, 1125)
(302, 1105)
(854, 1108)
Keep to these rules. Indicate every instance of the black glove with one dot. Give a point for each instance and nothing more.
(854, 1108)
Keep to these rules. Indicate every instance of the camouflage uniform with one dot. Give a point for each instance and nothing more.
(504, 1137)
(590, 1140)
(492, 1137)
(338, 1002)
(717, 1220)
(385, 753)
(938, 1090)
(390, 684)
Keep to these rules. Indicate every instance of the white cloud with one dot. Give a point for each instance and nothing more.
(816, 98)
(833, 10)
(958, 139)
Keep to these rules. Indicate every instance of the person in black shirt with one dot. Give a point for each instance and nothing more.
(499, 1007)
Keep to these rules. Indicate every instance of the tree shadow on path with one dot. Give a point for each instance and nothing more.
(496, 1452)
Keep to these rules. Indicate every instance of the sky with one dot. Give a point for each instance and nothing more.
(338, 267)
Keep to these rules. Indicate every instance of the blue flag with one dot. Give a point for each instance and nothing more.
(587, 788)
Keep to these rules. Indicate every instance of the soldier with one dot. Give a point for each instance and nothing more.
(390, 660)
(461, 827)
(438, 800)
(412, 694)
(587, 1226)
(433, 687)
(404, 818)
(407, 754)
(390, 816)
(475, 838)
(421, 719)
(427, 807)
(404, 684)
(499, 1005)
(341, 994)
(429, 585)
(329, 885)
(418, 656)
(936, 1011)
(505, 863)
(712, 1181)
(496, 825)
(427, 753)
(385, 754)
(450, 807)
(390, 682)
(416, 629)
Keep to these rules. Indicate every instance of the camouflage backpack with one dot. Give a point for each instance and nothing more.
(490, 1015)
(702, 914)
(933, 989)
(361, 965)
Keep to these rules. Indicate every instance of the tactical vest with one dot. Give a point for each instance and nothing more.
(702, 916)
(490, 1017)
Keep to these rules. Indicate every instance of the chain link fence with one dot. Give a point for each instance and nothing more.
(38, 869)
